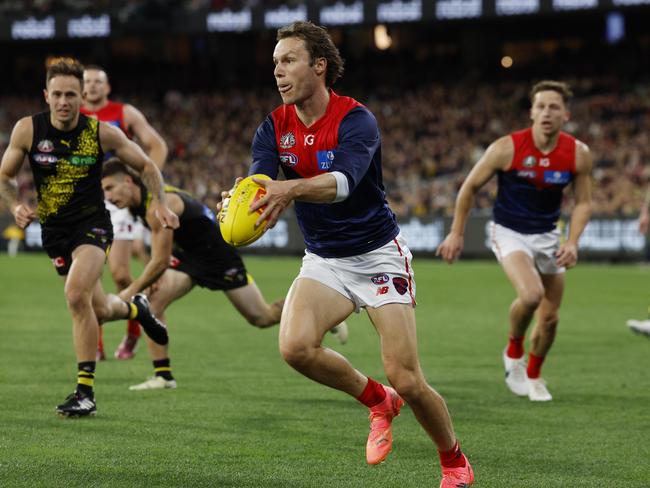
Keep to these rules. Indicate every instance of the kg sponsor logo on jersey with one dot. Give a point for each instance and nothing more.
(557, 177)
(45, 146)
(325, 159)
(529, 162)
(287, 141)
(380, 279)
(288, 159)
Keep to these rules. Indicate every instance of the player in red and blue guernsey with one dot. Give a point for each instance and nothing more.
(329, 149)
(533, 166)
(127, 232)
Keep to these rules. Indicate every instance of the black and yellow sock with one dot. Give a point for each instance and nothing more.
(86, 378)
(133, 310)
(161, 368)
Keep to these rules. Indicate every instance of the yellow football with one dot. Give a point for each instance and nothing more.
(236, 222)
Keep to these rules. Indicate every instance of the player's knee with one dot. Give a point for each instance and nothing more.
(78, 300)
(532, 298)
(121, 278)
(297, 354)
(407, 383)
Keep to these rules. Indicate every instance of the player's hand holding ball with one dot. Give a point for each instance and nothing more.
(238, 222)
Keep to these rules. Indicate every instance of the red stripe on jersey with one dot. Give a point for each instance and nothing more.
(299, 146)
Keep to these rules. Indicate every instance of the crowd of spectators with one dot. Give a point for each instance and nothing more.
(432, 136)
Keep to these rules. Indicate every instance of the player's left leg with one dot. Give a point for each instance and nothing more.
(250, 303)
(543, 334)
(171, 286)
(395, 323)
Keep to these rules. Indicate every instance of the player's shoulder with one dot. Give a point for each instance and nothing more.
(23, 131)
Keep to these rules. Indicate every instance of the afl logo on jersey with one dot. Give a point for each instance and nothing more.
(529, 162)
(45, 146)
(287, 141)
(288, 159)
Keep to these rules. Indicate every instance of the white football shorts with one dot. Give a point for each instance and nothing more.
(122, 221)
(371, 279)
(540, 247)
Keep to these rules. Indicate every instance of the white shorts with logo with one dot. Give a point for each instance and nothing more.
(123, 222)
(371, 279)
(540, 247)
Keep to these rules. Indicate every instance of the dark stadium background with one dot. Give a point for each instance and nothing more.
(440, 91)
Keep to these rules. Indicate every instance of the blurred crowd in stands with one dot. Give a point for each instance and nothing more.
(431, 138)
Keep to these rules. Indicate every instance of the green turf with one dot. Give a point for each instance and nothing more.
(242, 418)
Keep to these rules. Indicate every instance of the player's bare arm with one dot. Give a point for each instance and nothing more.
(153, 144)
(567, 254)
(279, 194)
(113, 139)
(12, 160)
(162, 240)
(498, 156)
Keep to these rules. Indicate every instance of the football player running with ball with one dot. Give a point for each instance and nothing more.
(329, 149)
(533, 166)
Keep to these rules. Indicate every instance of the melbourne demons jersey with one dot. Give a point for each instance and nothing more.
(529, 198)
(67, 171)
(346, 139)
(111, 113)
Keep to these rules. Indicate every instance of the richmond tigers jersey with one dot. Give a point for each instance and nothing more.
(67, 171)
(345, 139)
(529, 197)
(198, 233)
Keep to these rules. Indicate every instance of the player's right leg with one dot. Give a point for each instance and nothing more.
(83, 276)
(171, 286)
(520, 270)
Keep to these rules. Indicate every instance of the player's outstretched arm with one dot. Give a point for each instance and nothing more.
(567, 254)
(113, 139)
(498, 156)
(12, 160)
(162, 240)
(152, 142)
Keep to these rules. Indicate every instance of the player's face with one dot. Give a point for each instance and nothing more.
(548, 113)
(117, 190)
(96, 87)
(63, 95)
(295, 77)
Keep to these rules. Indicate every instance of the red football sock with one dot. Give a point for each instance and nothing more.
(453, 458)
(515, 348)
(100, 342)
(534, 365)
(373, 394)
(133, 328)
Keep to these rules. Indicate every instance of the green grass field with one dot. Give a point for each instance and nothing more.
(242, 418)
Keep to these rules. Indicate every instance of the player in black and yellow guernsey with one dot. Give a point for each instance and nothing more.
(193, 254)
(65, 151)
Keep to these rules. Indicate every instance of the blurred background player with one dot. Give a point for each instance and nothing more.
(198, 256)
(329, 149)
(643, 326)
(129, 234)
(65, 150)
(533, 167)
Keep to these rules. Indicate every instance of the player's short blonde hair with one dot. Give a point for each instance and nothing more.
(64, 67)
(556, 86)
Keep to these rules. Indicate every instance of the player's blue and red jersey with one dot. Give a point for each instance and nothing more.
(345, 139)
(529, 198)
(111, 113)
